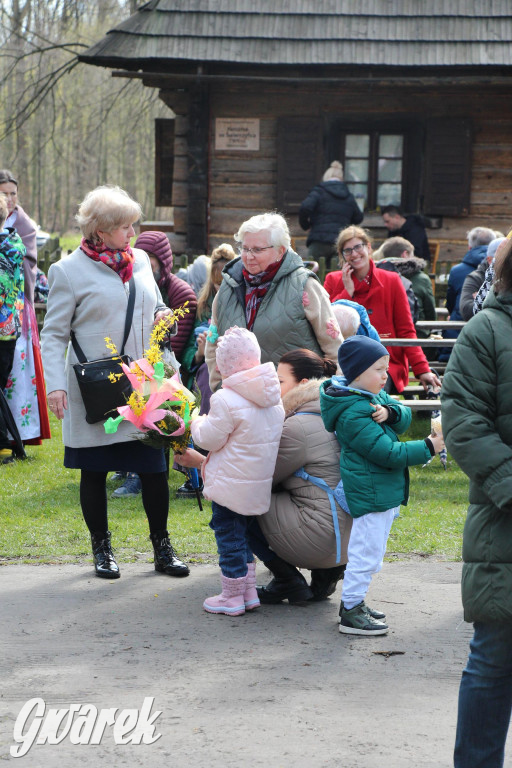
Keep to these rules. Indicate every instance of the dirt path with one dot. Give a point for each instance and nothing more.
(279, 688)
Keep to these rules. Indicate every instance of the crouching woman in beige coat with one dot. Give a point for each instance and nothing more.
(301, 528)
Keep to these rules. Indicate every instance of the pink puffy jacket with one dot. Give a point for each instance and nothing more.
(242, 431)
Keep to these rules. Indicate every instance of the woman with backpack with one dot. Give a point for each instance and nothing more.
(304, 527)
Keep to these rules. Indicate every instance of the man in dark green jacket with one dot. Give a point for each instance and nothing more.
(477, 418)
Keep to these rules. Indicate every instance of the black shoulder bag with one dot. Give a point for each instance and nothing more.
(101, 394)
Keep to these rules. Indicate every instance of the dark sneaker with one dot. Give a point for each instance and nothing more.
(131, 487)
(371, 611)
(186, 491)
(358, 621)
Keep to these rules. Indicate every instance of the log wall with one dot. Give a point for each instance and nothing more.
(244, 183)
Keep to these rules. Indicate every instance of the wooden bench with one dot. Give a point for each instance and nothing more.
(418, 342)
(419, 405)
(442, 325)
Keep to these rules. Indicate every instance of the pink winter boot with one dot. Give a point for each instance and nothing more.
(231, 599)
(251, 598)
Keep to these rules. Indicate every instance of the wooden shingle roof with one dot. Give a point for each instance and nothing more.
(396, 33)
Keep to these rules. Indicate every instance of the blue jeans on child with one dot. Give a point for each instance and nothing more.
(230, 530)
(485, 698)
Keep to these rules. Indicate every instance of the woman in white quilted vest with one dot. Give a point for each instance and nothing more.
(302, 529)
(269, 291)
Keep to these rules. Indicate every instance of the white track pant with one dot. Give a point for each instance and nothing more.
(366, 550)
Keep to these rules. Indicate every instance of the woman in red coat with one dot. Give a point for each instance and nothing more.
(384, 297)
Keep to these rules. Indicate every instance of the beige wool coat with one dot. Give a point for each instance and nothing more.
(299, 525)
(89, 298)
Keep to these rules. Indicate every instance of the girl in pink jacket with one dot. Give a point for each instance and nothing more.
(242, 432)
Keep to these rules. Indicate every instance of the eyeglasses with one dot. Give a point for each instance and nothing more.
(356, 249)
(255, 251)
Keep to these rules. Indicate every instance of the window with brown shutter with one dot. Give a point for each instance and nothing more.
(448, 167)
(164, 161)
(300, 160)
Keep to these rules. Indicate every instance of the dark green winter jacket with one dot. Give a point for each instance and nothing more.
(373, 463)
(477, 425)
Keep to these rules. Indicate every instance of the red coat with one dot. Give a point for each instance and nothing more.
(386, 301)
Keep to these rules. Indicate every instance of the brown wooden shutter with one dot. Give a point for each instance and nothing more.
(448, 167)
(300, 159)
(164, 161)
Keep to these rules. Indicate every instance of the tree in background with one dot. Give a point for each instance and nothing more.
(66, 127)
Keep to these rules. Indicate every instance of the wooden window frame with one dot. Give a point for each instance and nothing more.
(412, 132)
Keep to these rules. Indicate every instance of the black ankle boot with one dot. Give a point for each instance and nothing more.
(165, 556)
(104, 561)
(288, 584)
(324, 581)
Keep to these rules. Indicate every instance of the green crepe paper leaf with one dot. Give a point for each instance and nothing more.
(111, 424)
(159, 371)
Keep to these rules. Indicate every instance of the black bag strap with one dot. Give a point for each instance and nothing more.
(127, 326)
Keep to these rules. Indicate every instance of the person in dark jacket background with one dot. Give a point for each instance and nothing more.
(477, 423)
(475, 280)
(478, 242)
(400, 253)
(410, 227)
(327, 209)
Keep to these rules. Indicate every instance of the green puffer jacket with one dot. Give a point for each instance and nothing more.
(477, 424)
(373, 463)
(281, 323)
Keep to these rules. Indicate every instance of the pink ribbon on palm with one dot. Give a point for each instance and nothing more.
(151, 413)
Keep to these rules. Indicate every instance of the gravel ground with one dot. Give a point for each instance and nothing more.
(279, 687)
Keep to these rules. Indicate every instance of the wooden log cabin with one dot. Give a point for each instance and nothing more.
(413, 98)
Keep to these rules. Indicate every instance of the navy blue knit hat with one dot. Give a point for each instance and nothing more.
(358, 353)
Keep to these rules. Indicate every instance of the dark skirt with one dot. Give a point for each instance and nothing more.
(130, 456)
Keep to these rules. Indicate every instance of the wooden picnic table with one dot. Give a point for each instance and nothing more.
(418, 342)
(453, 325)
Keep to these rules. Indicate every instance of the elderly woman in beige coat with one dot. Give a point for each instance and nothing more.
(89, 292)
(301, 528)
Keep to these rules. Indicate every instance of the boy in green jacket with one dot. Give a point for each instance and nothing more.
(374, 468)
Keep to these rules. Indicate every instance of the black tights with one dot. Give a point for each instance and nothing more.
(93, 500)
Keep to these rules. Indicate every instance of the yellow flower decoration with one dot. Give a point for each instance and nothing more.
(137, 402)
(110, 345)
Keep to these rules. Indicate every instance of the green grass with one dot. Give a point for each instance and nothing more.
(42, 521)
(432, 521)
(69, 241)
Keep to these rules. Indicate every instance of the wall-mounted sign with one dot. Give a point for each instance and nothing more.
(237, 133)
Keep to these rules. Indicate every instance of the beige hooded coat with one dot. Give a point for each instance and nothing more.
(299, 525)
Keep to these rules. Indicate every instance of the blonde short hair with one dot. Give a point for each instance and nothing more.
(4, 210)
(348, 233)
(106, 208)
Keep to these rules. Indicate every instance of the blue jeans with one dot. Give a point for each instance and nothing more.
(485, 698)
(230, 530)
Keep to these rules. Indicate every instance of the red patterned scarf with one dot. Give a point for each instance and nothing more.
(256, 286)
(362, 287)
(120, 261)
